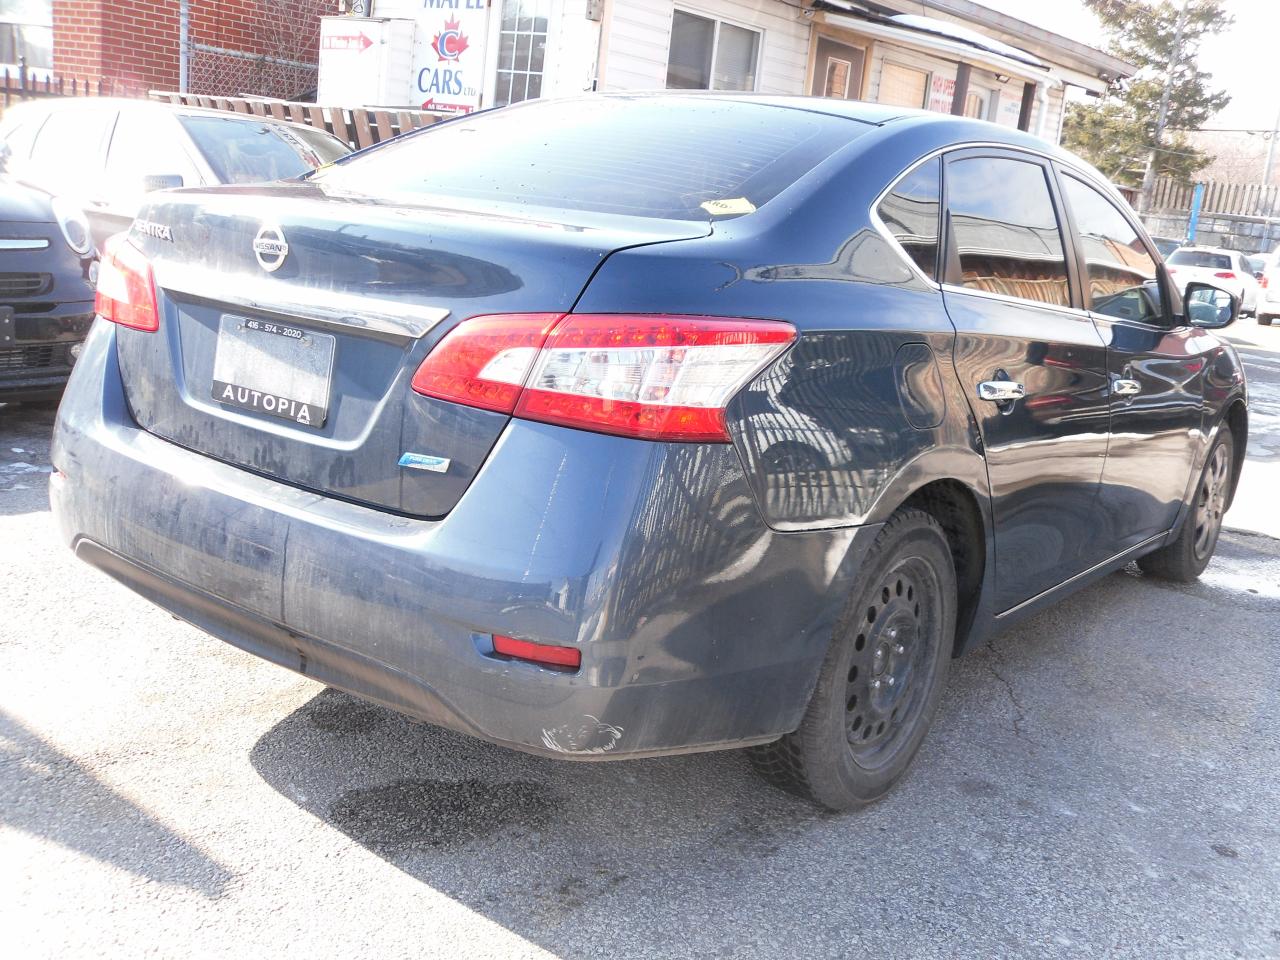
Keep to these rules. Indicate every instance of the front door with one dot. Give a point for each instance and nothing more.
(837, 72)
(1155, 369)
(1032, 365)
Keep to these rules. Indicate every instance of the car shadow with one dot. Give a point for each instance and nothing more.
(606, 859)
(54, 797)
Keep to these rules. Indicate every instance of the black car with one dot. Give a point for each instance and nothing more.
(48, 267)
(644, 424)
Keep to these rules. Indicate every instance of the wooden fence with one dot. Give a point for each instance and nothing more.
(1231, 199)
(357, 126)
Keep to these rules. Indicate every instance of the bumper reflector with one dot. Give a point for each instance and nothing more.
(540, 653)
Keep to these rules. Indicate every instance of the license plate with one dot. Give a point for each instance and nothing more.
(273, 368)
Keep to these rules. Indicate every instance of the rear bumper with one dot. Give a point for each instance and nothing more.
(699, 626)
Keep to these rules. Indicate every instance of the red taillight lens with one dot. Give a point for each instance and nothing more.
(1263, 282)
(652, 377)
(483, 362)
(540, 653)
(1172, 270)
(126, 291)
(1225, 275)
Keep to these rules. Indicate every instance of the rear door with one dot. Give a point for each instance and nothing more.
(1154, 366)
(1031, 363)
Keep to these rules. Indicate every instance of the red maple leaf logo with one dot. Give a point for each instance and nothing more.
(450, 43)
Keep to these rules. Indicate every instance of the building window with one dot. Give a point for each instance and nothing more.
(26, 31)
(522, 49)
(902, 86)
(711, 55)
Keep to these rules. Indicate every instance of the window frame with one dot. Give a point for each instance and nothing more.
(1086, 291)
(949, 259)
(883, 228)
(928, 80)
(717, 20)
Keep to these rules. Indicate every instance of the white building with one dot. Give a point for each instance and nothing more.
(959, 58)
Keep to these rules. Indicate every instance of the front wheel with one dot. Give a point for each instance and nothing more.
(883, 675)
(1264, 320)
(1185, 558)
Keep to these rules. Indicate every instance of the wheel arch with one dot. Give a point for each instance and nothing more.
(1237, 419)
(958, 508)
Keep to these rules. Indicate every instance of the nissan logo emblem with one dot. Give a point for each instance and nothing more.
(270, 248)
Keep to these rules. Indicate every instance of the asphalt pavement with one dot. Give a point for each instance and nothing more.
(1103, 781)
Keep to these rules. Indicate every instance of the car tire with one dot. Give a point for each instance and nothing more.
(883, 675)
(1265, 320)
(1185, 558)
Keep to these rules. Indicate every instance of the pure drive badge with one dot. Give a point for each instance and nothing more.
(270, 248)
(422, 461)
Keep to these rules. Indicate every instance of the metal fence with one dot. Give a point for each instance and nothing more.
(214, 71)
(21, 84)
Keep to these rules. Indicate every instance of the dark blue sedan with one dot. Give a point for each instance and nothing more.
(634, 425)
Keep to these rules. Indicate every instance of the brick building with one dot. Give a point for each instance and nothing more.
(265, 47)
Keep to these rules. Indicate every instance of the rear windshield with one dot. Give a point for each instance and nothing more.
(253, 151)
(1200, 258)
(683, 158)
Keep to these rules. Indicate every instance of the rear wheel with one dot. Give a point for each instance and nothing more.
(879, 686)
(1185, 558)
(1264, 320)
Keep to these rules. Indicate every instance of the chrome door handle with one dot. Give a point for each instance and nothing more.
(1001, 391)
(1126, 388)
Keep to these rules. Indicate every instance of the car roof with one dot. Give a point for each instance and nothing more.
(1211, 250)
(53, 104)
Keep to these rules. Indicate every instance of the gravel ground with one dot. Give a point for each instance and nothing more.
(1102, 781)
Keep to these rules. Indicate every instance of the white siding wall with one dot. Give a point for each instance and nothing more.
(640, 35)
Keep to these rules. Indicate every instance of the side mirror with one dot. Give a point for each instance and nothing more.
(1210, 307)
(161, 181)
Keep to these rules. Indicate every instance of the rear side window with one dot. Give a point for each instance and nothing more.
(684, 158)
(68, 145)
(1006, 232)
(910, 212)
(1200, 258)
(251, 151)
(1121, 272)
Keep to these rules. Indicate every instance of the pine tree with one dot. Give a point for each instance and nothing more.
(1118, 133)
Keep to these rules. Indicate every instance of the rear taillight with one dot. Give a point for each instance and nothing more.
(1172, 270)
(1225, 275)
(652, 377)
(126, 291)
(1263, 282)
(485, 361)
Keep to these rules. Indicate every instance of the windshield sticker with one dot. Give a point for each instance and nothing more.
(728, 208)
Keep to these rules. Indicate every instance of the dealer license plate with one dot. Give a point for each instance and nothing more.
(273, 368)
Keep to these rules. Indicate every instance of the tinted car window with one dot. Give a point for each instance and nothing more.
(645, 157)
(251, 151)
(1005, 229)
(1121, 272)
(910, 212)
(1200, 258)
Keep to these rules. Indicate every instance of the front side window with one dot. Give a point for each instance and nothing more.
(1005, 229)
(26, 32)
(708, 54)
(1120, 270)
(910, 212)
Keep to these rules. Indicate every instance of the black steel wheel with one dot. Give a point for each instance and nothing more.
(879, 686)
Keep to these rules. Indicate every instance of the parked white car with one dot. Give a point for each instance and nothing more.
(1269, 288)
(1226, 269)
(104, 155)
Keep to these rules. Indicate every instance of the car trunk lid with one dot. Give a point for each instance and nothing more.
(292, 322)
